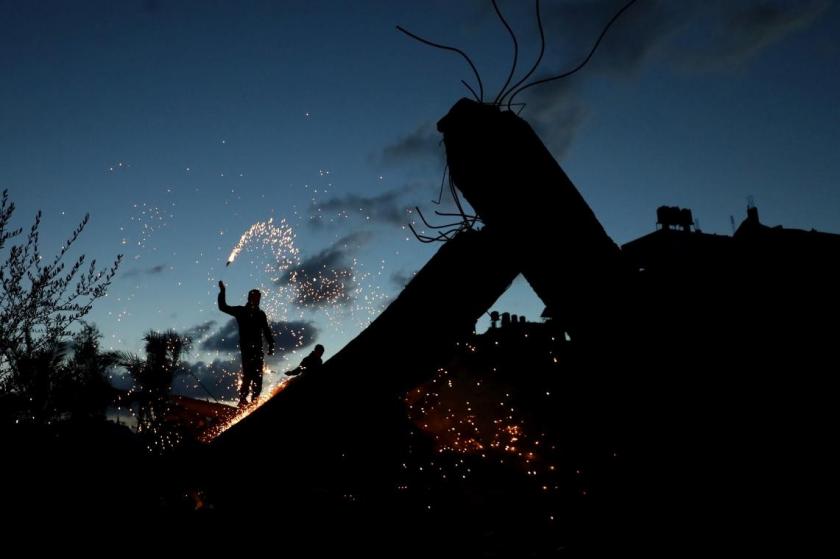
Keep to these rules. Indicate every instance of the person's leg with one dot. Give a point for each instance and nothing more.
(244, 387)
(258, 379)
(247, 378)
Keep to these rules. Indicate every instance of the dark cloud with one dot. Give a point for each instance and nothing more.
(557, 113)
(423, 144)
(742, 31)
(288, 336)
(691, 35)
(327, 278)
(120, 379)
(571, 29)
(218, 379)
(225, 339)
(386, 208)
(686, 35)
(154, 270)
(401, 278)
(199, 331)
(557, 109)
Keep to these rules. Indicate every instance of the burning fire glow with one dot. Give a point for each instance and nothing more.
(243, 412)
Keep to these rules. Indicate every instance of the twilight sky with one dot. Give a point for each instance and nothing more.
(179, 124)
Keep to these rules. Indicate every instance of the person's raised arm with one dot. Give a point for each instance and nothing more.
(223, 306)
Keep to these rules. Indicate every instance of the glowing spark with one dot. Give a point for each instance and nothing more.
(243, 412)
(279, 237)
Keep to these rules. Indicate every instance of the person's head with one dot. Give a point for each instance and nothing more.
(319, 350)
(254, 297)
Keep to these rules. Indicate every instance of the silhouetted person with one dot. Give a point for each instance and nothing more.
(311, 362)
(253, 324)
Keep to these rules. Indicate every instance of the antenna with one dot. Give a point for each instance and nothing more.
(732, 222)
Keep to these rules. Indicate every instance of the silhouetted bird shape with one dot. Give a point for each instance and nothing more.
(311, 362)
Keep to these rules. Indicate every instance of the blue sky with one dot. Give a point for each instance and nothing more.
(178, 125)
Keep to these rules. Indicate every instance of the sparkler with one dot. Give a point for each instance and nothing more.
(279, 237)
(341, 291)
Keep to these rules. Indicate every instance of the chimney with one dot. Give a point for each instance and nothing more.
(752, 214)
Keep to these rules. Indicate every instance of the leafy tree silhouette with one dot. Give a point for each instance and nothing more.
(153, 378)
(82, 390)
(41, 299)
